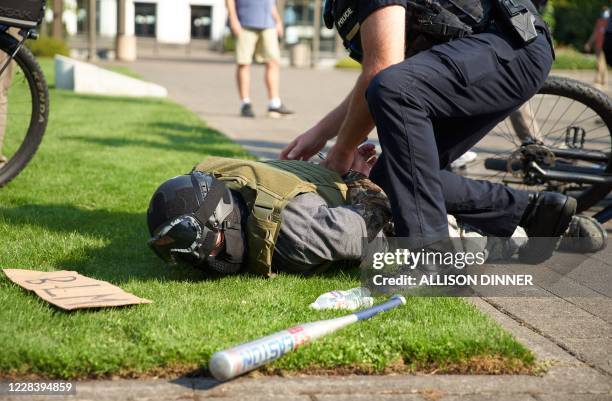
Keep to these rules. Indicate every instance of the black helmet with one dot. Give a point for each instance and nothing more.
(185, 217)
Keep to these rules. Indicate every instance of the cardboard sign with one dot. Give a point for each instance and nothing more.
(69, 290)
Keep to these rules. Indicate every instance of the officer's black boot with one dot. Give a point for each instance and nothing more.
(545, 220)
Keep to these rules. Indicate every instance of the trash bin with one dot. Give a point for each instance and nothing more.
(301, 55)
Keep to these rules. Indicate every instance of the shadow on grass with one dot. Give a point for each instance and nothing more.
(83, 98)
(175, 137)
(124, 254)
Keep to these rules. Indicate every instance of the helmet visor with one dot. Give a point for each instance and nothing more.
(182, 235)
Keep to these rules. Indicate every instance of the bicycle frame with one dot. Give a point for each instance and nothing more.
(25, 35)
(560, 172)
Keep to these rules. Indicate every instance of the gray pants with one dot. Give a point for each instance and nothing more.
(5, 83)
(312, 234)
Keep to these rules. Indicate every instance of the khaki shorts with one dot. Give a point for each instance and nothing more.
(261, 44)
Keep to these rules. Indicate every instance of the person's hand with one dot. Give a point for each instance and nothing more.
(304, 146)
(365, 158)
(587, 47)
(235, 27)
(340, 160)
(280, 30)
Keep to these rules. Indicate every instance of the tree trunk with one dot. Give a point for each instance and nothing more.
(119, 44)
(120, 17)
(126, 47)
(316, 35)
(92, 32)
(58, 25)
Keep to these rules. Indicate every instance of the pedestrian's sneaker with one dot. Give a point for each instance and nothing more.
(584, 235)
(247, 110)
(279, 112)
(463, 160)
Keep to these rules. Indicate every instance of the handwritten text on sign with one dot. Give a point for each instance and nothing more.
(70, 290)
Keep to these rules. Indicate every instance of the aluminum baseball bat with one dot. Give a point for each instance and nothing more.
(235, 361)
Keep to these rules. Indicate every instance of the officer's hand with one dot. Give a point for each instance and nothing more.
(304, 146)
(340, 160)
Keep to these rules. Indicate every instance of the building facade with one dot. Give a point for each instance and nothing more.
(181, 22)
(167, 21)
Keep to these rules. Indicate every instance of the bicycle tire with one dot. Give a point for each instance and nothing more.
(40, 108)
(602, 105)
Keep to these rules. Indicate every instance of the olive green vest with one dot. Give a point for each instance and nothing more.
(266, 188)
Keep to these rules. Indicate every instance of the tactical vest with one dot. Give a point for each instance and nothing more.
(266, 188)
(438, 21)
(428, 22)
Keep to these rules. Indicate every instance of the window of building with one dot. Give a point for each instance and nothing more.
(298, 16)
(81, 13)
(145, 20)
(201, 22)
(299, 12)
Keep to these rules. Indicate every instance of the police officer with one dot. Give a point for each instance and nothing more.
(436, 77)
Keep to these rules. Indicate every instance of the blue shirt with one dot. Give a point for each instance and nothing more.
(256, 14)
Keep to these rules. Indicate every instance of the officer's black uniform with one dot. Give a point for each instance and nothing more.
(436, 105)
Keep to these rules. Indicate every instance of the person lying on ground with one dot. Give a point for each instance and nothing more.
(231, 215)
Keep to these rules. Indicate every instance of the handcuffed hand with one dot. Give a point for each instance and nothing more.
(340, 160)
(361, 159)
(365, 158)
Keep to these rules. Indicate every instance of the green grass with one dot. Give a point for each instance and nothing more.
(81, 206)
(571, 59)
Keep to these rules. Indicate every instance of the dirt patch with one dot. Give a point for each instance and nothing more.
(480, 365)
(432, 394)
(162, 372)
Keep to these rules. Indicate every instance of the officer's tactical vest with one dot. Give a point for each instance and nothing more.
(267, 187)
(428, 22)
(448, 19)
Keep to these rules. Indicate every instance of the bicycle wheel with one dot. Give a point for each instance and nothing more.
(24, 108)
(573, 123)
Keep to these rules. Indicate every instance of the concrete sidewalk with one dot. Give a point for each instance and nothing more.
(573, 332)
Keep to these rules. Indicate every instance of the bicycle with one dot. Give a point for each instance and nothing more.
(569, 151)
(24, 95)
